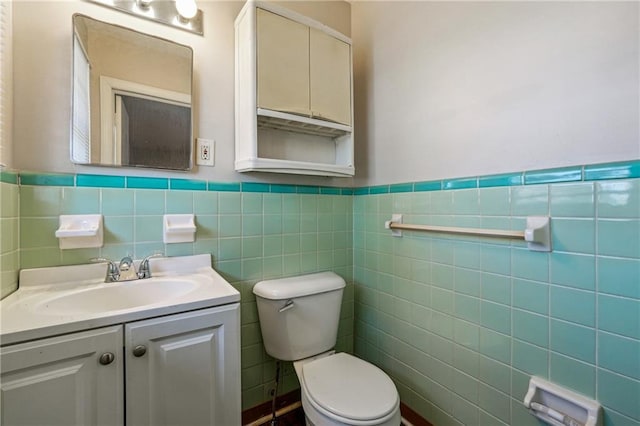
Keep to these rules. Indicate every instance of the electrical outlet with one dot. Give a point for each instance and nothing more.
(205, 152)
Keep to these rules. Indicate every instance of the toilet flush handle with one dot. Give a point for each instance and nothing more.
(288, 305)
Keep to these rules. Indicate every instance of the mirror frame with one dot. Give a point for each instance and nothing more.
(169, 96)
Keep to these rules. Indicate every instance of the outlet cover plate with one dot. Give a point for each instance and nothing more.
(205, 152)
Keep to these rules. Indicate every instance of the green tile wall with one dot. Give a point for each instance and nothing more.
(460, 323)
(9, 233)
(251, 235)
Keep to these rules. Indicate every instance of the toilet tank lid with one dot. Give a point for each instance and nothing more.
(303, 285)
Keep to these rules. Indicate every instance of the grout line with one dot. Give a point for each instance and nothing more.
(596, 215)
(549, 278)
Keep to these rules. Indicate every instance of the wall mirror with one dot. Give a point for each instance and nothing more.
(131, 102)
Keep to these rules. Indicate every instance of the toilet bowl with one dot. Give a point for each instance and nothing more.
(339, 389)
(299, 319)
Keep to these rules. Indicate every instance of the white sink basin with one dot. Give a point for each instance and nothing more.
(116, 296)
(64, 299)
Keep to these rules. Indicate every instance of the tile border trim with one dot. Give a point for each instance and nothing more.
(164, 183)
(10, 177)
(587, 173)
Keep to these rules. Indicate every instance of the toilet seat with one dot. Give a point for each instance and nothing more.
(349, 389)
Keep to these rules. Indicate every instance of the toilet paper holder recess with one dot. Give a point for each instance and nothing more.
(558, 406)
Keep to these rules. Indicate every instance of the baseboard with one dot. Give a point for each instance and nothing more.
(412, 417)
(250, 415)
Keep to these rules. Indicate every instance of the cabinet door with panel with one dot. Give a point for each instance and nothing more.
(184, 369)
(283, 63)
(302, 70)
(74, 379)
(330, 77)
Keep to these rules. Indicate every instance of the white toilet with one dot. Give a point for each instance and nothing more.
(299, 321)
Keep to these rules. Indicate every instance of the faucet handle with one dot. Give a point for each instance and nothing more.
(144, 270)
(113, 272)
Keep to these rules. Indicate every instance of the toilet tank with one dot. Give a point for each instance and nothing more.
(299, 315)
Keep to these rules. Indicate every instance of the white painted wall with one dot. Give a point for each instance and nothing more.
(6, 85)
(42, 82)
(453, 89)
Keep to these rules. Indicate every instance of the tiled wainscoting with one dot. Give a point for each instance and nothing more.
(9, 233)
(461, 323)
(253, 231)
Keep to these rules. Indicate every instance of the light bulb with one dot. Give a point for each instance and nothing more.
(187, 9)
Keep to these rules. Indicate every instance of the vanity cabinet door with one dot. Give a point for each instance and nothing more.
(184, 369)
(65, 380)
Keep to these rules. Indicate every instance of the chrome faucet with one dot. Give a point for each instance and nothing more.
(144, 271)
(126, 269)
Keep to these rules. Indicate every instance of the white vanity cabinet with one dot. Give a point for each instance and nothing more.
(294, 97)
(176, 369)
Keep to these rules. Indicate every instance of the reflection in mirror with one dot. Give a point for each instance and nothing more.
(131, 98)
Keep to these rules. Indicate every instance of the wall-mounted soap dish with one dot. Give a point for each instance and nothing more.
(80, 231)
(178, 228)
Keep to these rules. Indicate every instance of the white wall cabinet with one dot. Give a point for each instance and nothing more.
(180, 369)
(294, 97)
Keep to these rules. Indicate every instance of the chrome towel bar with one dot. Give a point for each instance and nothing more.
(537, 232)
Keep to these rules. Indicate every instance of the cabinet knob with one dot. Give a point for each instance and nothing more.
(107, 358)
(139, 350)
